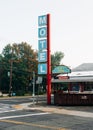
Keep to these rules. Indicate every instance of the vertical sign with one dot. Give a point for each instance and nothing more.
(44, 57)
(42, 44)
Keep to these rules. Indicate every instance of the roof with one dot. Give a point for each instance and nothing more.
(83, 70)
(82, 73)
(84, 67)
(78, 74)
(77, 79)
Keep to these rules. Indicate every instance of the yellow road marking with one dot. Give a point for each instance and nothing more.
(18, 106)
(31, 124)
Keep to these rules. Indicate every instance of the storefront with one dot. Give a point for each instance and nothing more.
(76, 89)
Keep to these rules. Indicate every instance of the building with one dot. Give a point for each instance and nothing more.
(80, 79)
(79, 82)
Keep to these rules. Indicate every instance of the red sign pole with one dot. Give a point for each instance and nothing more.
(48, 62)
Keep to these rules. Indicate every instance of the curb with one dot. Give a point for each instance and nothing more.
(51, 109)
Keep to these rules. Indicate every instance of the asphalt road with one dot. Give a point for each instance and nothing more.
(38, 120)
(32, 119)
(19, 100)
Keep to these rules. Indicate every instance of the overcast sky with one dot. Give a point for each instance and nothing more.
(71, 26)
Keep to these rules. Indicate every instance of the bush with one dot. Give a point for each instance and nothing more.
(20, 93)
(1, 95)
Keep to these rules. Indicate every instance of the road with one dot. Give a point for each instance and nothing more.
(18, 100)
(32, 119)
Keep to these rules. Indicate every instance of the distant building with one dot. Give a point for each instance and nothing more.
(84, 67)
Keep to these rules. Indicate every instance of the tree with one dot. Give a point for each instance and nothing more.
(21, 61)
(56, 59)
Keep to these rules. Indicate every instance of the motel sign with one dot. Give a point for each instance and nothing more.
(44, 57)
(42, 44)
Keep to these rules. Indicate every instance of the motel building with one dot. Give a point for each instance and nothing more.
(74, 87)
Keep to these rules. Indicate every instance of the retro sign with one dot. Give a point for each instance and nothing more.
(42, 44)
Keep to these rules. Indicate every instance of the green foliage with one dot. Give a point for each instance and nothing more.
(24, 62)
(56, 59)
(21, 59)
(20, 93)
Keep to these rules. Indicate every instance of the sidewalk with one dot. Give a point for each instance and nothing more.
(57, 109)
(82, 111)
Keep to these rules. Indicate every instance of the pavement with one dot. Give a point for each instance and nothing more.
(81, 111)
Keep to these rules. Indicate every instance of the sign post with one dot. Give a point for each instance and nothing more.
(44, 56)
(48, 62)
(33, 87)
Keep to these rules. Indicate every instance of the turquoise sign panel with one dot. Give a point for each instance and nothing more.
(42, 44)
(61, 69)
(42, 68)
(42, 56)
(42, 32)
(42, 20)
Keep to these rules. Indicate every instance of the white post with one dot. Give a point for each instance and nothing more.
(33, 86)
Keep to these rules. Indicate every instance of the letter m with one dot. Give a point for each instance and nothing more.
(42, 20)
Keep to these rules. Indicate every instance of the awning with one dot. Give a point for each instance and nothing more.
(74, 79)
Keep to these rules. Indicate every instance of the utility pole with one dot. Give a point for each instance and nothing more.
(10, 85)
(33, 86)
(11, 69)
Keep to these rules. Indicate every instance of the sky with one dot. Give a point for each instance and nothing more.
(71, 26)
